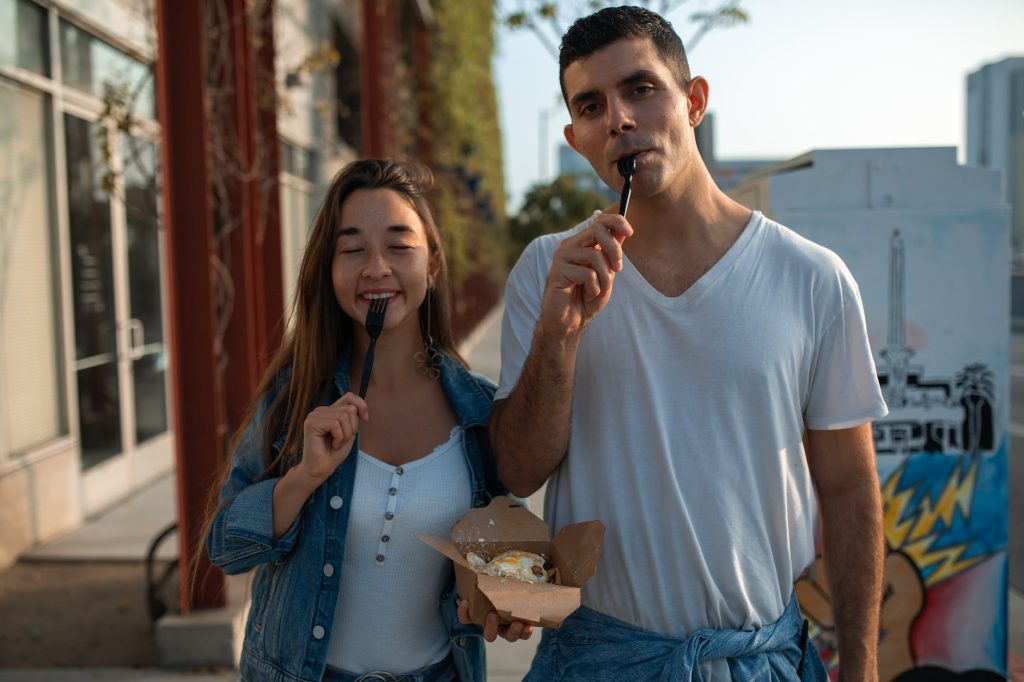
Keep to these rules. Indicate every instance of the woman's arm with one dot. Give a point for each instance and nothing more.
(259, 518)
(241, 535)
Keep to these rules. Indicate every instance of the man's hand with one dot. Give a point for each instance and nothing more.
(582, 273)
(512, 632)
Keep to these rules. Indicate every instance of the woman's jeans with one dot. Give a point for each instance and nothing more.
(442, 671)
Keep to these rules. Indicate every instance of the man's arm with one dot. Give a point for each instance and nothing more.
(842, 464)
(530, 428)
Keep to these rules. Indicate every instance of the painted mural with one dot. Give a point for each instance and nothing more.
(942, 461)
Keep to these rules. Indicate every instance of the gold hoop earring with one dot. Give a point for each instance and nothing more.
(428, 360)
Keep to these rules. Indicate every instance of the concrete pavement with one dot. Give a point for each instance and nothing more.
(505, 662)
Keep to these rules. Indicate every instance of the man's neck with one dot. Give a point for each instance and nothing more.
(680, 235)
(694, 213)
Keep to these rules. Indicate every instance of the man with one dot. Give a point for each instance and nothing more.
(698, 377)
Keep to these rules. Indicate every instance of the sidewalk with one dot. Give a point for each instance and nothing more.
(505, 662)
(124, 533)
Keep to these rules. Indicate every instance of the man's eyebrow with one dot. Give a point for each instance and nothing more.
(581, 97)
(353, 231)
(638, 76)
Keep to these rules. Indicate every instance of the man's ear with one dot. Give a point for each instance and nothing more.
(697, 97)
(570, 136)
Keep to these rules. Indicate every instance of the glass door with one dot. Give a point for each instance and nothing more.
(92, 276)
(146, 351)
(120, 358)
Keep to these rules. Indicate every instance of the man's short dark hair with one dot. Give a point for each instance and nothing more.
(589, 34)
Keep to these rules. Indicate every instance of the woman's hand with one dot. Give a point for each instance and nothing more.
(493, 628)
(327, 437)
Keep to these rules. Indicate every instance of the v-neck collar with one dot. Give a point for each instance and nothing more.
(704, 282)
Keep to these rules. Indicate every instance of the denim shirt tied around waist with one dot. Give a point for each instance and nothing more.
(294, 594)
(593, 647)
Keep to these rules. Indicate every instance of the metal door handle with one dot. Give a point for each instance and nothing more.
(138, 338)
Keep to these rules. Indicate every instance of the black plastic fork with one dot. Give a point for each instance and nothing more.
(627, 166)
(374, 325)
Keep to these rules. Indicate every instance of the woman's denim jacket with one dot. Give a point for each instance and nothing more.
(294, 593)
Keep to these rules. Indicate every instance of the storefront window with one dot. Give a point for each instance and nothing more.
(23, 41)
(31, 370)
(90, 64)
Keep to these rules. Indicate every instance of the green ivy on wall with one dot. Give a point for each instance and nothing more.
(465, 140)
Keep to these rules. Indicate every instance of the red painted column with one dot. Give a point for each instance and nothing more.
(377, 75)
(420, 67)
(267, 202)
(252, 251)
(188, 221)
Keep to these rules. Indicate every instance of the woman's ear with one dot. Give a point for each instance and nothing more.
(432, 271)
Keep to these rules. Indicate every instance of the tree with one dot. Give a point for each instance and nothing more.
(547, 19)
(551, 207)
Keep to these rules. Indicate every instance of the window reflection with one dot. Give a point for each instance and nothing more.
(32, 390)
(90, 64)
(23, 39)
(92, 267)
(149, 374)
(141, 213)
(99, 413)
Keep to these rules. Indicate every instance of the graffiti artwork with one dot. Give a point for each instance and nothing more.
(942, 463)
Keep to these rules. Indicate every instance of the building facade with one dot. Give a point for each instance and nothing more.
(995, 134)
(927, 241)
(85, 400)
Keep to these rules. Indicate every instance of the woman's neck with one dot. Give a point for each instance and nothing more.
(394, 363)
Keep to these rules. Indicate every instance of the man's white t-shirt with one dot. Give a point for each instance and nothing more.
(687, 421)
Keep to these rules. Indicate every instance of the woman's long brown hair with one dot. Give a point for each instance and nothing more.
(321, 332)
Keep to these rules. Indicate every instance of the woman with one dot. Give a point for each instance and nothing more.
(343, 590)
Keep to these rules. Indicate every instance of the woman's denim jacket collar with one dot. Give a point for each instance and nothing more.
(293, 601)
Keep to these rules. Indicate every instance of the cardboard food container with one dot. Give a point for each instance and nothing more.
(503, 525)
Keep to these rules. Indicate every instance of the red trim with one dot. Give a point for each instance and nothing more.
(198, 408)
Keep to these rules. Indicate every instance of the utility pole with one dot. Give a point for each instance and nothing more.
(543, 148)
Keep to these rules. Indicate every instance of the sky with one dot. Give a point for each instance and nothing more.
(800, 75)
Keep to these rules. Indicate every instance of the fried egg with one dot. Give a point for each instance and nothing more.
(515, 563)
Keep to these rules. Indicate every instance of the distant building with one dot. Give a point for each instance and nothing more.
(571, 162)
(730, 173)
(927, 241)
(995, 134)
(705, 138)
